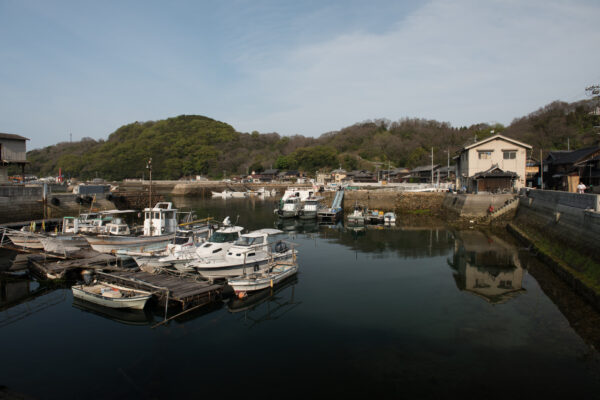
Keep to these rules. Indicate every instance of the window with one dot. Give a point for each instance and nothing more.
(485, 155)
(510, 154)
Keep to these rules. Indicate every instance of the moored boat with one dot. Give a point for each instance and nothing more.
(250, 253)
(389, 218)
(160, 225)
(264, 279)
(112, 296)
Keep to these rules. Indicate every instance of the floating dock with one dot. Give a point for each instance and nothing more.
(185, 290)
(48, 268)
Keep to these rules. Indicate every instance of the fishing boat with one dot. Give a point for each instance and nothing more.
(252, 252)
(181, 250)
(262, 280)
(291, 208)
(160, 225)
(224, 194)
(25, 238)
(214, 248)
(357, 218)
(112, 296)
(311, 207)
(389, 218)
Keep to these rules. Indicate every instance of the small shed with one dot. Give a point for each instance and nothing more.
(12, 152)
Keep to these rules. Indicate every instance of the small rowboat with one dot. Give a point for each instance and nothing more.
(112, 296)
(263, 280)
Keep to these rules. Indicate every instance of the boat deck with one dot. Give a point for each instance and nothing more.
(167, 287)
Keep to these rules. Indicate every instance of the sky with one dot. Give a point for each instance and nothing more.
(85, 68)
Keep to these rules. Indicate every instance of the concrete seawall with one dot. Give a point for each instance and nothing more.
(474, 205)
(25, 203)
(571, 218)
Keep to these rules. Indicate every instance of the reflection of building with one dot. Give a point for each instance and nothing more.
(487, 266)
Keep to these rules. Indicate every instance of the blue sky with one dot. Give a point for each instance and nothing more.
(292, 67)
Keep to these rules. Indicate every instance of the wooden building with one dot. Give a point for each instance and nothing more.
(12, 152)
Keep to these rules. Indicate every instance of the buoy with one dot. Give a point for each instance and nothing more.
(271, 282)
(241, 295)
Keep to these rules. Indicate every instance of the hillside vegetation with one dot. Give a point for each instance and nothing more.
(190, 145)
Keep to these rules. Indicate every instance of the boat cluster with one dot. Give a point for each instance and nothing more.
(211, 251)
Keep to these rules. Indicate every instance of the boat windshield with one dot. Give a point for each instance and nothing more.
(249, 241)
(290, 201)
(222, 237)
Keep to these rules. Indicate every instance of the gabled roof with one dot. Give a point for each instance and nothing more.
(270, 172)
(496, 137)
(11, 136)
(571, 157)
(495, 172)
(424, 168)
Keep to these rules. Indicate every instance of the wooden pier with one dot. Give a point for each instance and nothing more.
(185, 290)
(48, 268)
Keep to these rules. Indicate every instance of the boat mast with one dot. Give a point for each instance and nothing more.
(149, 166)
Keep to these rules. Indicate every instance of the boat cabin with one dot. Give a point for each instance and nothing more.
(117, 227)
(160, 220)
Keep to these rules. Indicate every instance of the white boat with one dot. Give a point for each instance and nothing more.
(239, 195)
(24, 238)
(311, 207)
(389, 218)
(63, 243)
(262, 280)
(215, 247)
(252, 252)
(224, 194)
(357, 218)
(112, 296)
(160, 225)
(181, 250)
(291, 208)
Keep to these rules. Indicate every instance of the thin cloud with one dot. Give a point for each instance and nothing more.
(459, 61)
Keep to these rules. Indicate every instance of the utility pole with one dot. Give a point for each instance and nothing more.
(541, 170)
(432, 165)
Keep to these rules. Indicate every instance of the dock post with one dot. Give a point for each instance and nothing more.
(166, 304)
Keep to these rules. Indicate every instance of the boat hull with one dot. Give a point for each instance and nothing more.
(26, 241)
(279, 274)
(223, 269)
(115, 244)
(135, 303)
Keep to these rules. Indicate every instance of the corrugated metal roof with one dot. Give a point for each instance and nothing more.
(12, 136)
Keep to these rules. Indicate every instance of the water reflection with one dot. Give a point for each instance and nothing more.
(297, 225)
(266, 305)
(487, 266)
(20, 298)
(123, 316)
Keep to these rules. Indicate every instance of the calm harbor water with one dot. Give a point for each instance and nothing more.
(412, 312)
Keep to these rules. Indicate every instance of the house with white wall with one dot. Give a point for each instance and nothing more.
(497, 163)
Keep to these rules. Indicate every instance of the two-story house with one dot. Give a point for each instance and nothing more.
(493, 164)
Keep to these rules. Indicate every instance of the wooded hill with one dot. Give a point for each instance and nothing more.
(190, 145)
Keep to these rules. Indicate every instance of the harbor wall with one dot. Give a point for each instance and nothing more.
(466, 205)
(24, 203)
(391, 200)
(571, 218)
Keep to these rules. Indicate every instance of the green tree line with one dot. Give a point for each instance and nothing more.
(190, 145)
